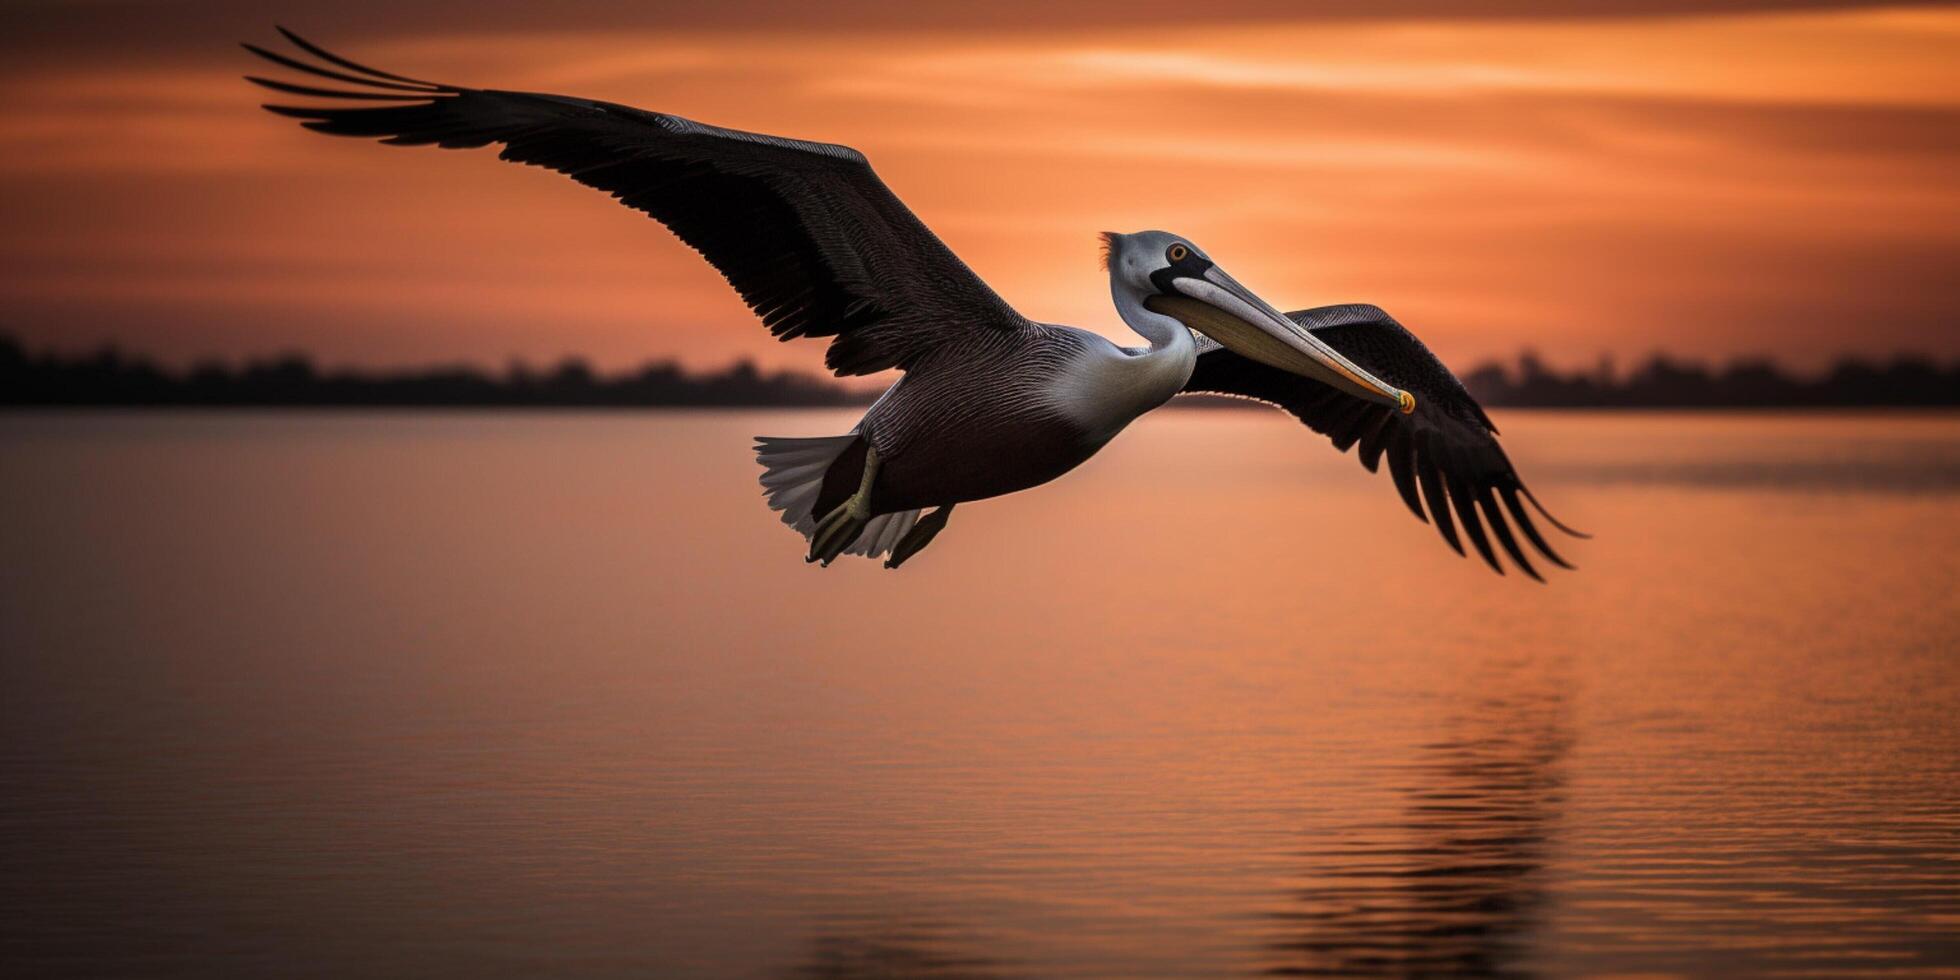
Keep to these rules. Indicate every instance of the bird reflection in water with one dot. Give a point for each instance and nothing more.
(1456, 889)
(889, 951)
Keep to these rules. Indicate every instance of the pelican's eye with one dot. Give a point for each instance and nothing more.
(1176, 253)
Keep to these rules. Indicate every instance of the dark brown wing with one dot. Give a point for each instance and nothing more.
(1444, 454)
(815, 243)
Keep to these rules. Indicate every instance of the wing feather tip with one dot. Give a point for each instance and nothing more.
(323, 54)
(1509, 494)
(1487, 503)
(1542, 512)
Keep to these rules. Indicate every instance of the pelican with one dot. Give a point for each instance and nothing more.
(988, 402)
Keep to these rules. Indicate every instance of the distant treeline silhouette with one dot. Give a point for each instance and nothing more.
(1666, 382)
(111, 378)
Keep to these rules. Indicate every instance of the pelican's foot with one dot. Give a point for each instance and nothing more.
(922, 533)
(843, 524)
(838, 529)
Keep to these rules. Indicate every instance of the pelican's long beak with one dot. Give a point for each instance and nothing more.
(1215, 305)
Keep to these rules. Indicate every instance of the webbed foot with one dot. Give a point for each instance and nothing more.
(921, 534)
(837, 530)
(843, 524)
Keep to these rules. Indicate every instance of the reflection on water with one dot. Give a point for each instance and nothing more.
(481, 694)
(923, 951)
(1454, 889)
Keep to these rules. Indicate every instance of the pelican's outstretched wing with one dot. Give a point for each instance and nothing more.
(815, 243)
(1445, 453)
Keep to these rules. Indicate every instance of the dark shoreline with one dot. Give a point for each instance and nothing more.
(110, 379)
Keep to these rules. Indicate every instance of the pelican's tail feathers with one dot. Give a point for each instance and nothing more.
(793, 472)
(883, 533)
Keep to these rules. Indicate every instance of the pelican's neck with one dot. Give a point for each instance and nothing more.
(1166, 335)
(1151, 376)
(1107, 387)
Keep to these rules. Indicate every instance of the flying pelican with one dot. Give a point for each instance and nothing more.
(989, 401)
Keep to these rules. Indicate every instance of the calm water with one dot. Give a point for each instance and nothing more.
(434, 694)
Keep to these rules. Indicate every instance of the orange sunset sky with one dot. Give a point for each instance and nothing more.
(1705, 178)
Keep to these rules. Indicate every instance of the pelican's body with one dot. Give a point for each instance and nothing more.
(990, 402)
(1007, 412)
(991, 421)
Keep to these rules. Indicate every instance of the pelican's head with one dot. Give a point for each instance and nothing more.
(1170, 276)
